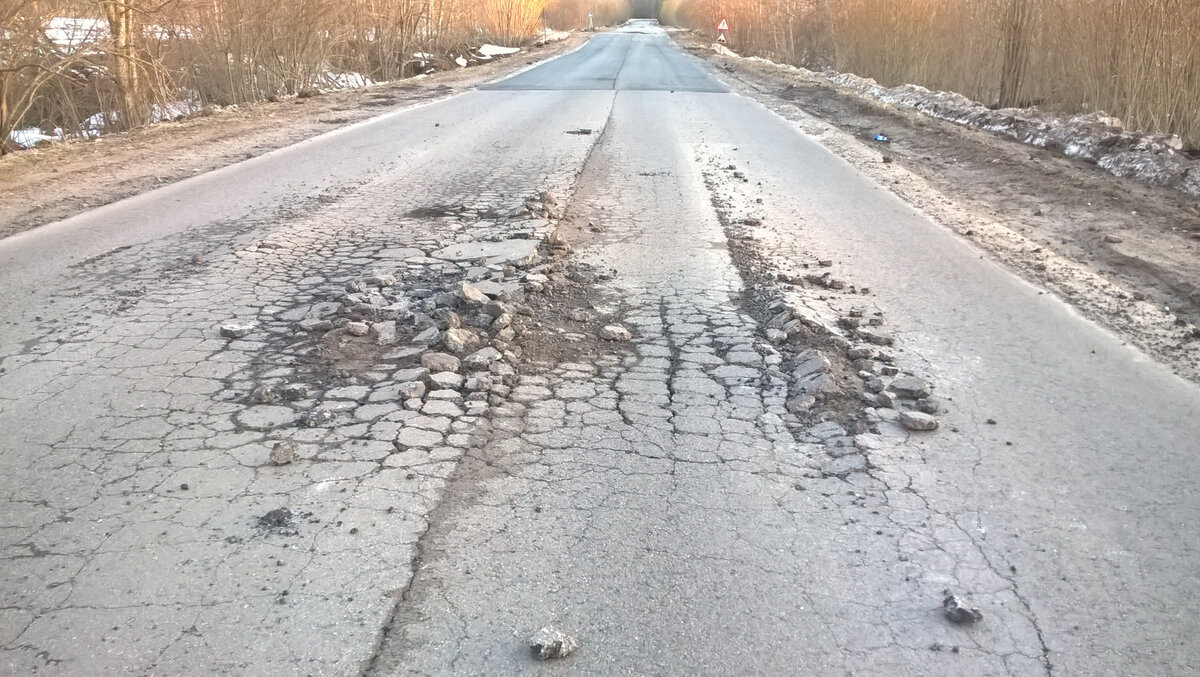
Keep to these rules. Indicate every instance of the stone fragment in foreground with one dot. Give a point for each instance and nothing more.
(615, 332)
(915, 420)
(439, 362)
(550, 643)
(910, 387)
(459, 340)
(471, 295)
(957, 612)
(481, 359)
(283, 453)
(236, 331)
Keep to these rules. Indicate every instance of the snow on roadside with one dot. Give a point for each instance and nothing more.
(496, 50)
(1094, 137)
(73, 32)
(31, 136)
(548, 35)
(346, 80)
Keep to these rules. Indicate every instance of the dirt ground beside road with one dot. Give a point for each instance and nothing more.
(47, 184)
(1125, 254)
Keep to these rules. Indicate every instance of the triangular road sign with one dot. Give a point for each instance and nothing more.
(720, 37)
(723, 26)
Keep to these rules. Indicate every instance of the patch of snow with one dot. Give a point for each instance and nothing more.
(32, 136)
(496, 50)
(1093, 137)
(549, 35)
(424, 56)
(723, 50)
(462, 63)
(346, 80)
(73, 32)
(173, 110)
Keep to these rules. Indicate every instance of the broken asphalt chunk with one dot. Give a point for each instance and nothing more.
(915, 420)
(283, 453)
(236, 331)
(909, 387)
(550, 643)
(615, 332)
(957, 612)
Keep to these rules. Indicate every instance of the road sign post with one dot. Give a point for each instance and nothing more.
(722, 28)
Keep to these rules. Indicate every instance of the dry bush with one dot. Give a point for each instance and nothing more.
(150, 59)
(33, 64)
(511, 21)
(572, 14)
(1138, 60)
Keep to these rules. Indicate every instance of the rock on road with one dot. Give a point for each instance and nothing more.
(699, 443)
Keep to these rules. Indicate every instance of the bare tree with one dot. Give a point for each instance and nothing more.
(29, 61)
(1016, 51)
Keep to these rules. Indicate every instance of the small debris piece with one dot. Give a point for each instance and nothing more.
(909, 387)
(496, 308)
(481, 359)
(381, 280)
(283, 453)
(384, 332)
(582, 131)
(319, 417)
(411, 390)
(615, 332)
(928, 405)
(236, 331)
(295, 391)
(915, 420)
(470, 294)
(956, 612)
(459, 340)
(440, 362)
(1113, 239)
(277, 519)
(550, 643)
(264, 395)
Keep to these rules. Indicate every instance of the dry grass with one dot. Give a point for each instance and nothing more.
(1138, 60)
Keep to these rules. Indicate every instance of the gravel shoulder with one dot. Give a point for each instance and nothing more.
(49, 184)
(1125, 254)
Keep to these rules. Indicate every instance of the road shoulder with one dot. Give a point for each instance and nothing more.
(1124, 254)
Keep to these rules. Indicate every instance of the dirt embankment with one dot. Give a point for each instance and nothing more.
(48, 184)
(1125, 253)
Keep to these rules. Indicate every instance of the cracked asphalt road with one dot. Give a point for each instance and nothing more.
(673, 501)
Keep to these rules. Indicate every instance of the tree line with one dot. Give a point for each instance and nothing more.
(82, 65)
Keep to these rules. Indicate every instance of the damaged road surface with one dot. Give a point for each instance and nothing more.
(462, 390)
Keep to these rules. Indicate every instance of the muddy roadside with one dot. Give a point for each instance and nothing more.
(44, 185)
(1125, 254)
